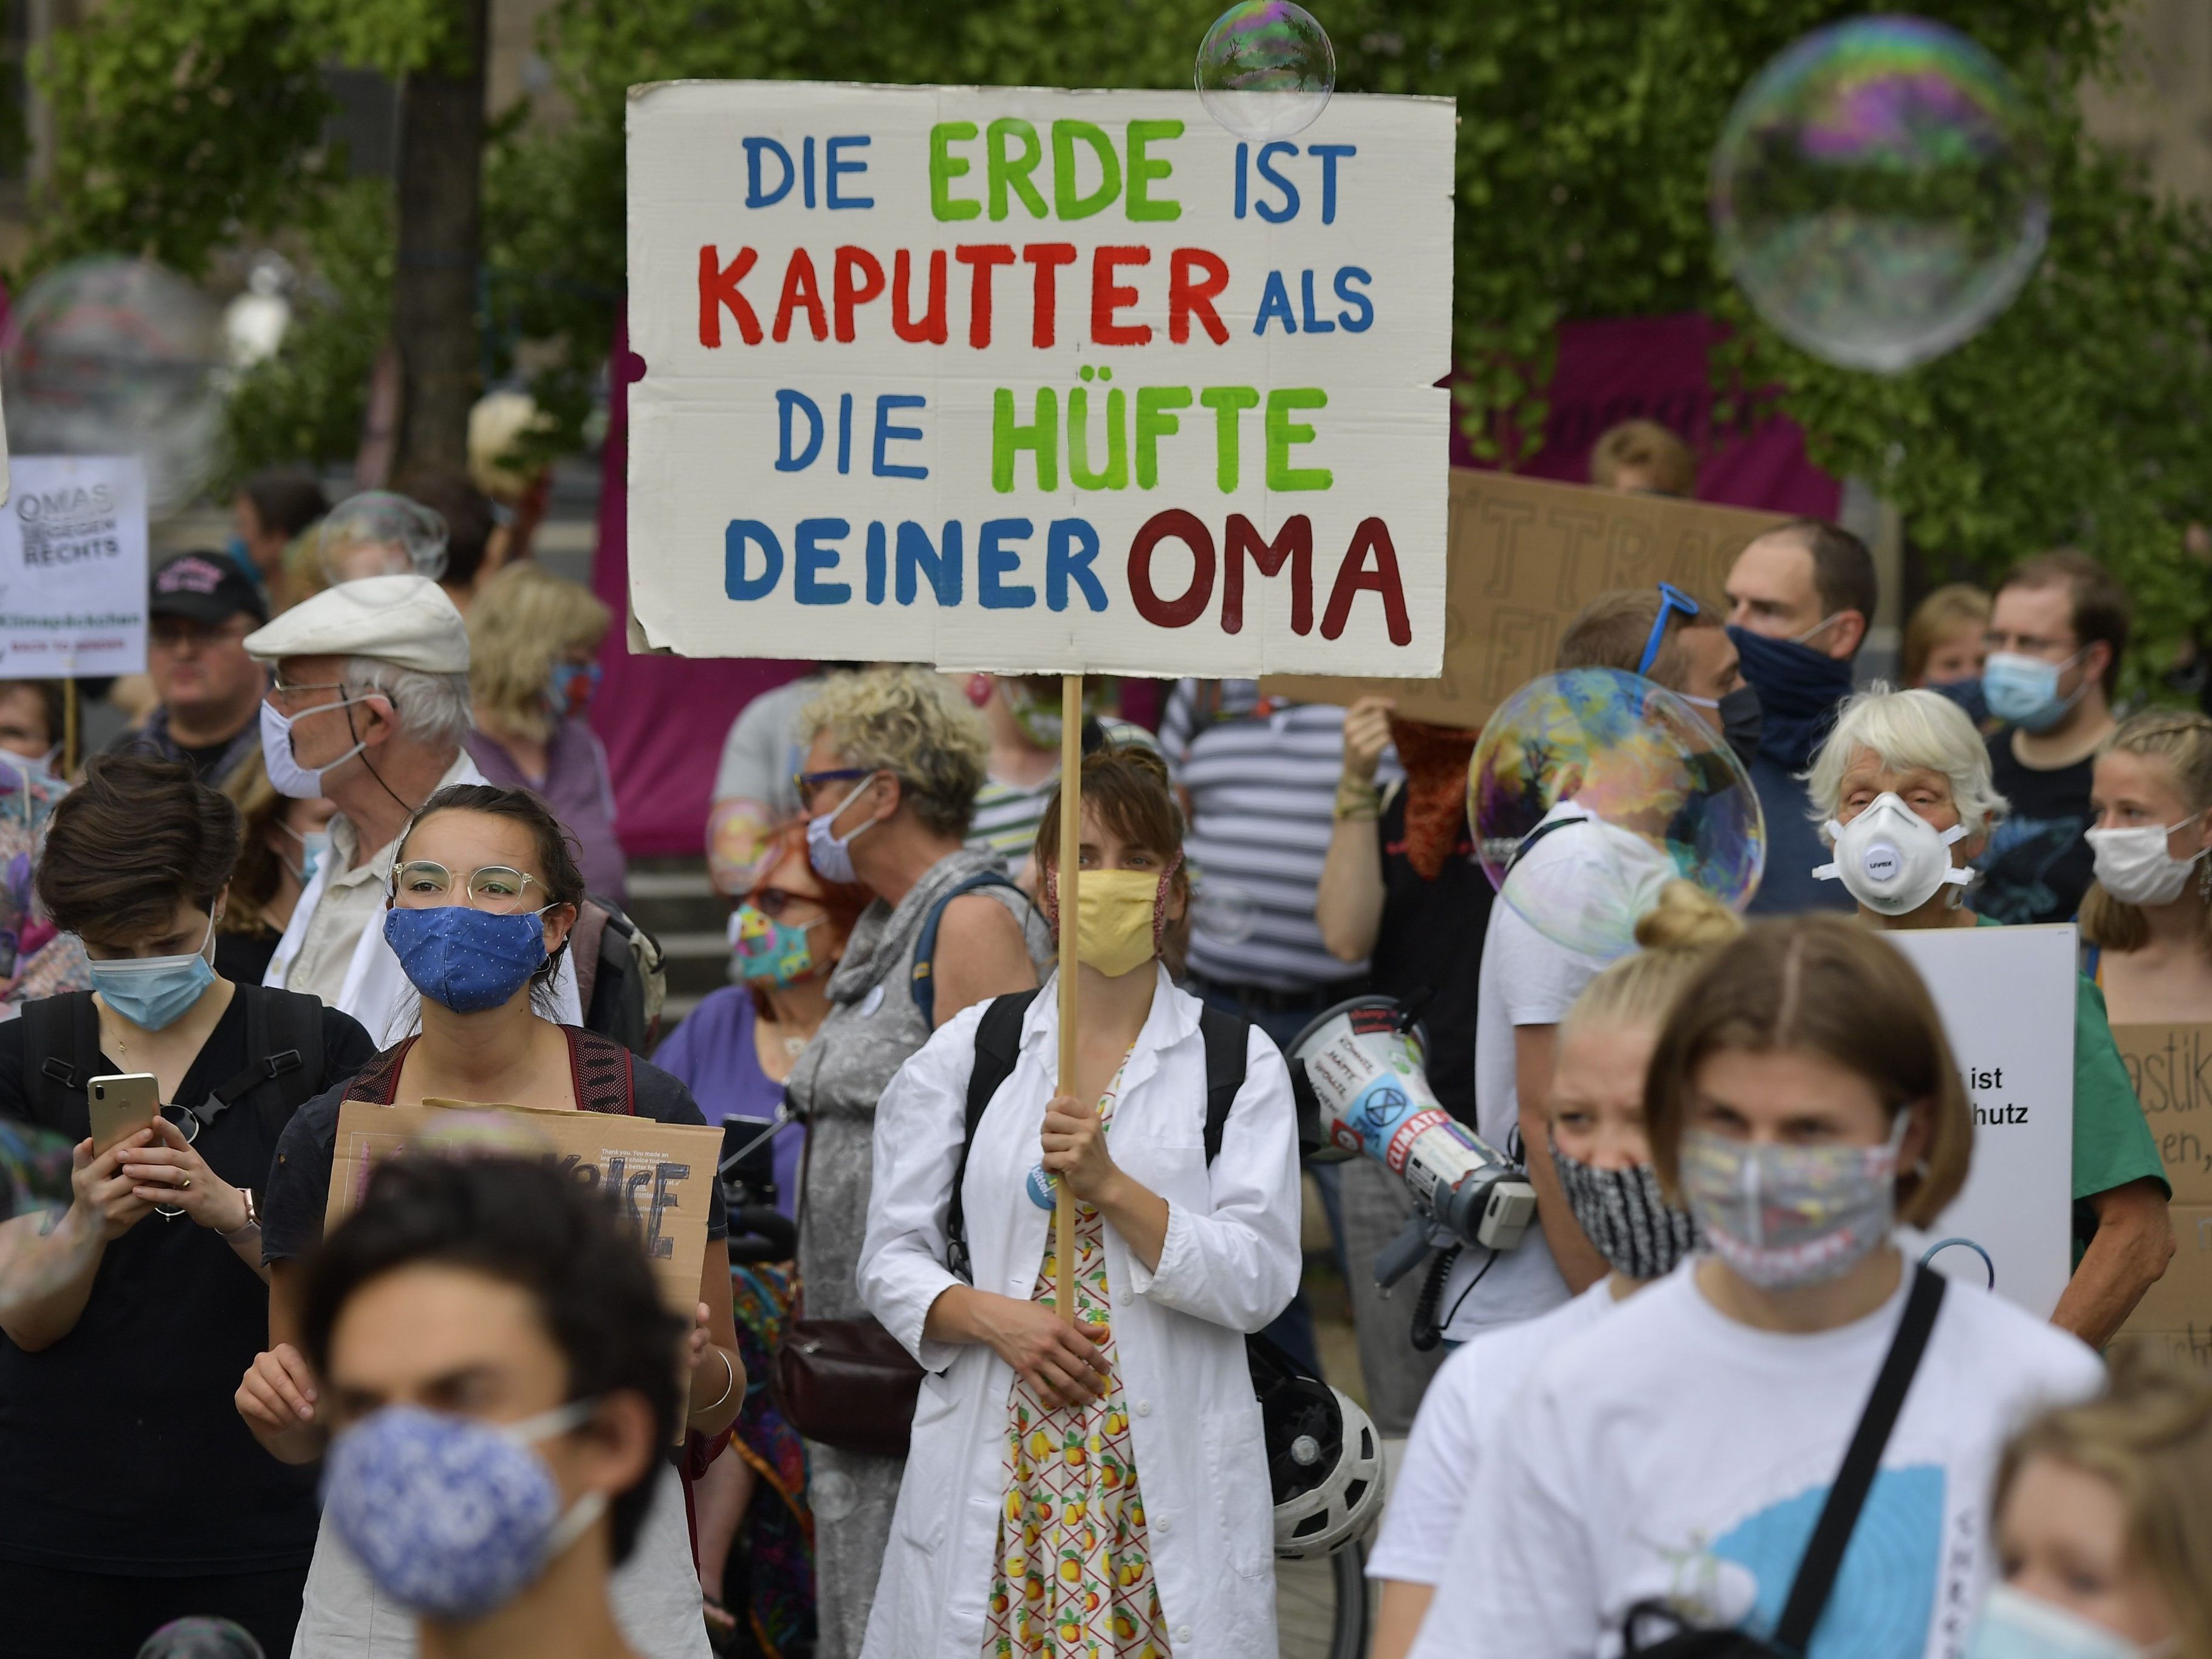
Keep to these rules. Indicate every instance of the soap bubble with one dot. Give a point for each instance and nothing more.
(377, 533)
(1266, 69)
(1222, 911)
(1879, 193)
(34, 1169)
(1667, 796)
(200, 1638)
(115, 356)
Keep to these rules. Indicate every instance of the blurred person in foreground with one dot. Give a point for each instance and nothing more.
(2058, 628)
(208, 688)
(1645, 458)
(130, 1492)
(2147, 918)
(480, 905)
(1801, 598)
(270, 511)
(533, 669)
(2104, 1525)
(368, 708)
(1400, 889)
(500, 1376)
(1909, 767)
(894, 759)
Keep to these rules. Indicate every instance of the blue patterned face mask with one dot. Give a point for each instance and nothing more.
(453, 1517)
(465, 959)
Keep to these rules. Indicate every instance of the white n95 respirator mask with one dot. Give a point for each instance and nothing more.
(1891, 859)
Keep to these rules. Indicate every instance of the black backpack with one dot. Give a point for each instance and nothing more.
(283, 1030)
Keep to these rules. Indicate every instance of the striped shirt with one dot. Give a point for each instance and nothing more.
(1263, 782)
(1007, 814)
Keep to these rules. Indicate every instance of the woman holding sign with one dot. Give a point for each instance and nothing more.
(1905, 784)
(1101, 1485)
(130, 1494)
(2147, 917)
(485, 890)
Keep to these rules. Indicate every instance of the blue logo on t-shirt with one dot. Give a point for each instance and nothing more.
(1885, 1594)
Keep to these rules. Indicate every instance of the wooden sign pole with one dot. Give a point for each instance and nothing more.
(1071, 843)
(68, 727)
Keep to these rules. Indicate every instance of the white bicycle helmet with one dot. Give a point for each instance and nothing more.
(1324, 1458)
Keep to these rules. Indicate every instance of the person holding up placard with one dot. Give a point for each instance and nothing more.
(1599, 1146)
(482, 895)
(2147, 918)
(1098, 1486)
(1904, 783)
(1673, 1465)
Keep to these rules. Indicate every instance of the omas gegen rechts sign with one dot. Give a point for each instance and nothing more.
(1018, 378)
(73, 567)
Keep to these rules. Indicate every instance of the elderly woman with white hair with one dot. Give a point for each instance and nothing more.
(1904, 785)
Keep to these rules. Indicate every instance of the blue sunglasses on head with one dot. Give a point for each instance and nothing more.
(1671, 599)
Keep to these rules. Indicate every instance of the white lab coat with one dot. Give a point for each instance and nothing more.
(1230, 1265)
(376, 990)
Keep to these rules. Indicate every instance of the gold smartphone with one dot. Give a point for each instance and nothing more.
(120, 1104)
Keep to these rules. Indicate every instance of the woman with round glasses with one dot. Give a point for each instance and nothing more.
(129, 1493)
(483, 893)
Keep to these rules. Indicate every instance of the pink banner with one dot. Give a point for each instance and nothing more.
(1617, 369)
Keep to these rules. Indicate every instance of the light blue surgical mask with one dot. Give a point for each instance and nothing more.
(829, 853)
(2016, 1625)
(153, 992)
(2024, 690)
(314, 847)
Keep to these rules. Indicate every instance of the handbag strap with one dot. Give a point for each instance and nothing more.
(1832, 1533)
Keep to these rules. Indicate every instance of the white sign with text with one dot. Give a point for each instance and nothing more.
(73, 567)
(2007, 998)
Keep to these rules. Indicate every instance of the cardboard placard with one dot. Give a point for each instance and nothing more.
(73, 567)
(1034, 379)
(663, 1172)
(2179, 1306)
(2171, 1066)
(2006, 997)
(1526, 558)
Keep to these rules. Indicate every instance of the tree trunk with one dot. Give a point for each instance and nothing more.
(434, 299)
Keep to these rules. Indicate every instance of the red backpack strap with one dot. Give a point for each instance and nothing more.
(600, 1069)
(378, 1081)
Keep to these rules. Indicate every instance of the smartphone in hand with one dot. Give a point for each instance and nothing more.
(121, 1104)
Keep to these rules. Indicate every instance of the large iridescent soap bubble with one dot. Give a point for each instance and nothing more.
(1664, 795)
(1266, 69)
(200, 1638)
(1879, 193)
(115, 356)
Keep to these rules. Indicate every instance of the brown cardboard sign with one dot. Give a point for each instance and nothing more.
(661, 1174)
(2171, 1067)
(2181, 1300)
(1524, 557)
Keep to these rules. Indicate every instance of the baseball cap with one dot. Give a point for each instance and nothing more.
(406, 621)
(205, 587)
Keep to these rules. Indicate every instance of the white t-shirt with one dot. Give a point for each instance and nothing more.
(1669, 1453)
(1465, 1400)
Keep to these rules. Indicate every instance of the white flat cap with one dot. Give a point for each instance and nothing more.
(406, 621)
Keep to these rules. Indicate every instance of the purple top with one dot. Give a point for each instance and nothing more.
(712, 1051)
(576, 787)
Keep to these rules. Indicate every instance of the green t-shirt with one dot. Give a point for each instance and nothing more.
(2112, 1143)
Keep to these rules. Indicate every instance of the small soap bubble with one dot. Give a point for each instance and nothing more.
(1266, 69)
(379, 533)
(1222, 911)
(200, 1638)
(1668, 797)
(1879, 193)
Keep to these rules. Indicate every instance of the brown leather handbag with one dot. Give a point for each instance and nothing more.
(847, 1384)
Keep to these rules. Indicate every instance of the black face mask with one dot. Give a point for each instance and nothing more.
(1743, 721)
(1623, 1213)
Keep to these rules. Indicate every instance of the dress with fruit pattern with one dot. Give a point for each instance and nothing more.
(1071, 1577)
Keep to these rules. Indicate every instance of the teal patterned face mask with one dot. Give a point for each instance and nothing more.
(768, 951)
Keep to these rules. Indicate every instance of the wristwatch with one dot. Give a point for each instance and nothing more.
(252, 1214)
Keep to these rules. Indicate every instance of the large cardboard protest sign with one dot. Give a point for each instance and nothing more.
(1525, 557)
(73, 567)
(661, 1175)
(1029, 380)
(2171, 1066)
(2007, 996)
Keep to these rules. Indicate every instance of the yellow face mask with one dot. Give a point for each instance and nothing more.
(1114, 919)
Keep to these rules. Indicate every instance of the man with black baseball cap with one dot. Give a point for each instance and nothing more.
(202, 607)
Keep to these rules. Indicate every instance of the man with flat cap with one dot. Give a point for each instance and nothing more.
(368, 708)
(198, 618)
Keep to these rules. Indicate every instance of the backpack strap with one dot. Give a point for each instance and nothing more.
(601, 1068)
(925, 947)
(1832, 1533)
(61, 1051)
(285, 1031)
(1528, 842)
(1227, 1037)
(378, 1082)
(998, 1044)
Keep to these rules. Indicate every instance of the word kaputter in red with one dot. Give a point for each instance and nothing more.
(1196, 277)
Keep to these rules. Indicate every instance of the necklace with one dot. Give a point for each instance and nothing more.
(795, 1046)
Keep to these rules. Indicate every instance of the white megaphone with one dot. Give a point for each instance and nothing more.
(1357, 1073)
